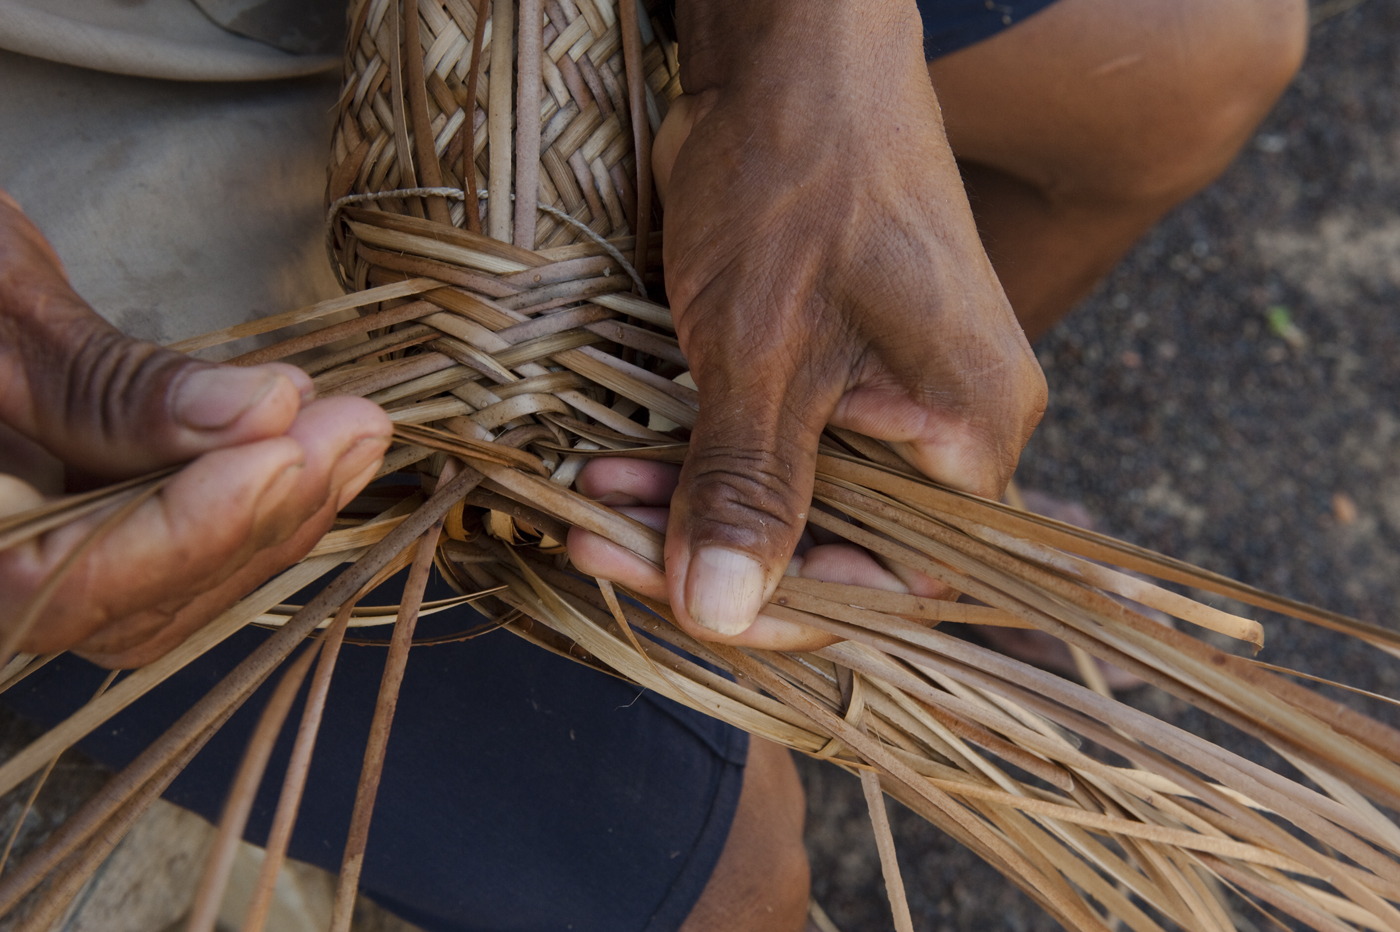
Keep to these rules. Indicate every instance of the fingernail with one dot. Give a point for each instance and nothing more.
(355, 467)
(305, 386)
(724, 589)
(212, 399)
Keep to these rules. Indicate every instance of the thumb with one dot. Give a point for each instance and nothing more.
(103, 402)
(112, 406)
(681, 116)
(139, 407)
(742, 501)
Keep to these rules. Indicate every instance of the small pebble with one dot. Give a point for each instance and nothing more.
(1343, 508)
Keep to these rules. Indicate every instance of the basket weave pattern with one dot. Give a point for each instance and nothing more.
(587, 166)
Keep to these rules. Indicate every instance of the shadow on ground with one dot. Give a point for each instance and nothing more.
(1230, 396)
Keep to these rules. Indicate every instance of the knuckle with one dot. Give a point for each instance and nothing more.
(743, 497)
(115, 645)
(114, 388)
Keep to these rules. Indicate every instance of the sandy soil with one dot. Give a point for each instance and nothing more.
(1184, 420)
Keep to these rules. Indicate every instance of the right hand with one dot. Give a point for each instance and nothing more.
(823, 267)
(643, 490)
(267, 466)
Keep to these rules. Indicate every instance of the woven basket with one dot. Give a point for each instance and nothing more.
(603, 84)
(490, 209)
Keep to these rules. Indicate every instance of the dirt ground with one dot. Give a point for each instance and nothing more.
(1184, 419)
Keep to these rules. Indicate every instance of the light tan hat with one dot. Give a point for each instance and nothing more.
(172, 39)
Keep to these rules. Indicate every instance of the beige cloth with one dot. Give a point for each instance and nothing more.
(177, 208)
(151, 38)
(303, 27)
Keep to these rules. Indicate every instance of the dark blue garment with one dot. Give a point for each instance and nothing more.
(522, 791)
(950, 25)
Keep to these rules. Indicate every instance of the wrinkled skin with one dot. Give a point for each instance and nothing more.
(643, 490)
(822, 266)
(272, 463)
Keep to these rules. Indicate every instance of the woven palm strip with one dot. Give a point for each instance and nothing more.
(522, 353)
(586, 166)
(549, 351)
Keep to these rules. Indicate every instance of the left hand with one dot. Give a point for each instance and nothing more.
(267, 467)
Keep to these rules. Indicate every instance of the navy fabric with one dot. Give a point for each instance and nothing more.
(950, 25)
(522, 791)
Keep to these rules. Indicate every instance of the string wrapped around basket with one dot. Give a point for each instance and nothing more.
(490, 209)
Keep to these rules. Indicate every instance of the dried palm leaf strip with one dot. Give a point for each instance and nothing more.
(1070, 908)
(132, 781)
(1111, 580)
(1290, 904)
(18, 627)
(527, 121)
(1030, 740)
(139, 682)
(330, 306)
(370, 616)
(1290, 800)
(655, 628)
(826, 597)
(98, 844)
(298, 768)
(926, 495)
(882, 668)
(498, 118)
(954, 826)
(39, 785)
(22, 526)
(395, 341)
(967, 663)
(403, 158)
(447, 244)
(1315, 868)
(20, 666)
(429, 171)
(327, 335)
(884, 843)
(641, 128)
(1314, 722)
(230, 691)
(467, 131)
(347, 886)
(209, 896)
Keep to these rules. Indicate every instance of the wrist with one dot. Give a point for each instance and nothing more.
(818, 47)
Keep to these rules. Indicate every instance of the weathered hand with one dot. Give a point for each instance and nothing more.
(823, 267)
(270, 466)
